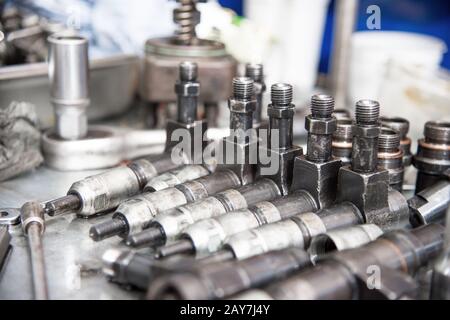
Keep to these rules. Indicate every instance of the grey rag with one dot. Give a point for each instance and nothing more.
(19, 140)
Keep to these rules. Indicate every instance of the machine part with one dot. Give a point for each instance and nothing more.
(69, 83)
(280, 152)
(174, 177)
(9, 216)
(255, 71)
(239, 151)
(342, 114)
(363, 183)
(402, 127)
(163, 55)
(440, 287)
(295, 232)
(127, 267)
(5, 246)
(105, 191)
(186, 127)
(429, 205)
(343, 239)
(390, 157)
(170, 224)
(137, 213)
(317, 172)
(208, 236)
(218, 281)
(33, 226)
(433, 154)
(343, 275)
(343, 141)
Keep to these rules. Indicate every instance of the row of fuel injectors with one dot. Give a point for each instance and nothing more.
(254, 216)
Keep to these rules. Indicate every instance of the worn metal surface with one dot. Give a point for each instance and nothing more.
(73, 259)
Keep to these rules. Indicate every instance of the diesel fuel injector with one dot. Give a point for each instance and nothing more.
(402, 127)
(344, 275)
(218, 281)
(390, 157)
(105, 191)
(433, 154)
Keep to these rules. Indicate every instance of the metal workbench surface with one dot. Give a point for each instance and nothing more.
(73, 260)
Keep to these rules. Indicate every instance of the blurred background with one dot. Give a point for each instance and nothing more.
(392, 51)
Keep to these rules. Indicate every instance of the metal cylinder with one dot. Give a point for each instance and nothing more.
(402, 127)
(255, 71)
(390, 157)
(320, 126)
(343, 141)
(187, 17)
(69, 84)
(187, 89)
(433, 154)
(365, 136)
(281, 113)
(242, 105)
(440, 286)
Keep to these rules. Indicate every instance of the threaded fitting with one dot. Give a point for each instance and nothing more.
(255, 71)
(188, 71)
(437, 132)
(367, 112)
(322, 106)
(243, 88)
(398, 124)
(344, 130)
(388, 140)
(107, 229)
(282, 94)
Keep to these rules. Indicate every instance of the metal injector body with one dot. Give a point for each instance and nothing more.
(440, 284)
(402, 127)
(343, 275)
(390, 157)
(280, 151)
(169, 225)
(433, 154)
(218, 281)
(239, 151)
(208, 236)
(317, 172)
(343, 141)
(33, 226)
(255, 71)
(134, 215)
(429, 205)
(363, 183)
(187, 89)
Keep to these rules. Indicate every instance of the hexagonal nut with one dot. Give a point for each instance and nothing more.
(242, 106)
(368, 132)
(278, 166)
(187, 89)
(368, 191)
(319, 179)
(71, 123)
(320, 126)
(283, 113)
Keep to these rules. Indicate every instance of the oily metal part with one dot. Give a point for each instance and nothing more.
(5, 247)
(390, 157)
(343, 141)
(440, 285)
(400, 125)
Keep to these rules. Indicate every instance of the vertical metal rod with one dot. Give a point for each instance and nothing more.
(37, 262)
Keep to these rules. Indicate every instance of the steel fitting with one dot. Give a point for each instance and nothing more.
(390, 157)
(255, 71)
(402, 127)
(343, 141)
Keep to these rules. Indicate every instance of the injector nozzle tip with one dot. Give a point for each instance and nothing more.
(150, 237)
(322, 106)
(243, 88)
(107, 229)
(182, 246)
(188, 71)
(367, 111)
(254, 71)
(282, 94)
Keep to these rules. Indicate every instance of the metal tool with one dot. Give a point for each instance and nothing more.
(440, 288)
(170, 224)
(343, 141)
(390, 157)
(396, 255)
(429, 205)
(33, 225)
(136, 214)
(5, 247)
(218, 281)
(276, 159)
(433, 154)
(402, 127)
(208, 236)
(317, 172)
